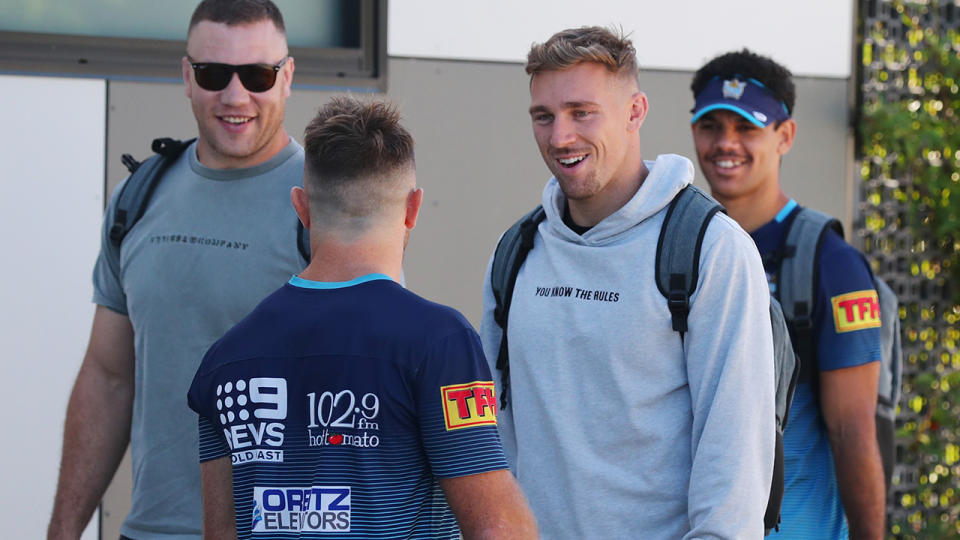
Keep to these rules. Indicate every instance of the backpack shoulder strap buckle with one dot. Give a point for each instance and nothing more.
(678, 250)
(678, 302)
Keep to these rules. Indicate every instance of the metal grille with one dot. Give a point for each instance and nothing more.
(925, 496)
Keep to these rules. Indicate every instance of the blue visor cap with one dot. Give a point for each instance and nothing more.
(748, 98)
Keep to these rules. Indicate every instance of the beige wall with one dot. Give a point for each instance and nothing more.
(479, 167)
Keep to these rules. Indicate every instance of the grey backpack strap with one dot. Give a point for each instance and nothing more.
(891, 375)
(678, 250)
(786, 369)
(891, 365)
(511, 251)
(786, 374)
(798, 276)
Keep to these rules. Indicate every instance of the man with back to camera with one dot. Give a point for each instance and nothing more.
(376, 402)
(742, 128)
(217, 237)
(616, 426)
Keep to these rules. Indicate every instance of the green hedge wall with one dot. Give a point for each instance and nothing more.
(909, 163)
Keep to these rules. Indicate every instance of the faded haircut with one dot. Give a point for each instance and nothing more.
(356, 156)
(567, 48)
(236, 12)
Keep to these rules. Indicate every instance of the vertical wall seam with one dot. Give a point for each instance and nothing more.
(106, 141)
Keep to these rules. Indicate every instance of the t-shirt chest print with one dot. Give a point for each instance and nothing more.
(576, 293)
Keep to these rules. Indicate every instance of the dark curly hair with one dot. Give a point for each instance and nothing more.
(751, 65)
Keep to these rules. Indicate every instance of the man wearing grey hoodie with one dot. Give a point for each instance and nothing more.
(616, 426)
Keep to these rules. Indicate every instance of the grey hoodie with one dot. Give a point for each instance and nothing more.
(616, 428)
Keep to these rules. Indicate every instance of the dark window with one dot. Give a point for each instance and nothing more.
(339, 43)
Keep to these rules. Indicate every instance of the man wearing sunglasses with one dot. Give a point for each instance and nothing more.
(217, 237)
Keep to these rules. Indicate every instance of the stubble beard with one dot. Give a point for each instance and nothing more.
(239, 147)
(579, 189)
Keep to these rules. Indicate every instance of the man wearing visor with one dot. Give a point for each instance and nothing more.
(217, 237)
(742, 128)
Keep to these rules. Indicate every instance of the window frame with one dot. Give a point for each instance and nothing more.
(114, 58)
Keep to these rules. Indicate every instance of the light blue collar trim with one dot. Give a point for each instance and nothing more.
(298, 281)
(785, 211)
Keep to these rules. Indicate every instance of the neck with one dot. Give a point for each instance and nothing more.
(618, 192)
(215, 160)
(335, 260)
(755, 211)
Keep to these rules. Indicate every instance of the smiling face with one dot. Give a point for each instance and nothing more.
(238, 128)
(739, 159)
(586, 122)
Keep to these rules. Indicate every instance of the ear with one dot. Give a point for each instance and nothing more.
(301, 204)
(414, 200)
(638, 111)
(786, 133)
(288, 68)
(186, 70)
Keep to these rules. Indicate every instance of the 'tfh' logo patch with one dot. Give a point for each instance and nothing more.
(468, 405)
(856, 311)
(294, 509)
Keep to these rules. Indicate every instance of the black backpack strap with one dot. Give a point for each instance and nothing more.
(511, 251)
(798, 279)
(678, 250)
(144, 177)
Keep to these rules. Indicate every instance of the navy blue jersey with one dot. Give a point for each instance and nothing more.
(340, 405)
(846, 336)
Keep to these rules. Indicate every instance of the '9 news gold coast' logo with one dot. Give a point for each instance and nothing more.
(856, 311)
(468, 405)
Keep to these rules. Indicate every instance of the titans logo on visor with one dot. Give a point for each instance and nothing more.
(733, 89)
(747, 97)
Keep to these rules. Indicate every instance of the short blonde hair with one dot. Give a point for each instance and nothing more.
(567, 48)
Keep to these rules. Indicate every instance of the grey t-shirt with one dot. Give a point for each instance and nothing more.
(211, 245)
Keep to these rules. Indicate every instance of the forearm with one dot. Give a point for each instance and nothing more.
(219, 517)
(860, 478)
(728, 490)
(515, 527)
(848, 401)
(490, 506)
(730, 371)
(513, 521)
(96, 433)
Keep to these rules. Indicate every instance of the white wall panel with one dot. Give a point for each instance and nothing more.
(812, 37)
(51, 202)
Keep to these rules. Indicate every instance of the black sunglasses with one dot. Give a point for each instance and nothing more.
(254, 77)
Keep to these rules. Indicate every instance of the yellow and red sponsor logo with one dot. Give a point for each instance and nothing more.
(468, 405)
(856, 311)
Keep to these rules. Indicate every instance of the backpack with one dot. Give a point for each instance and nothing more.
(798, 278)
(144, 178)
(677, 262)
